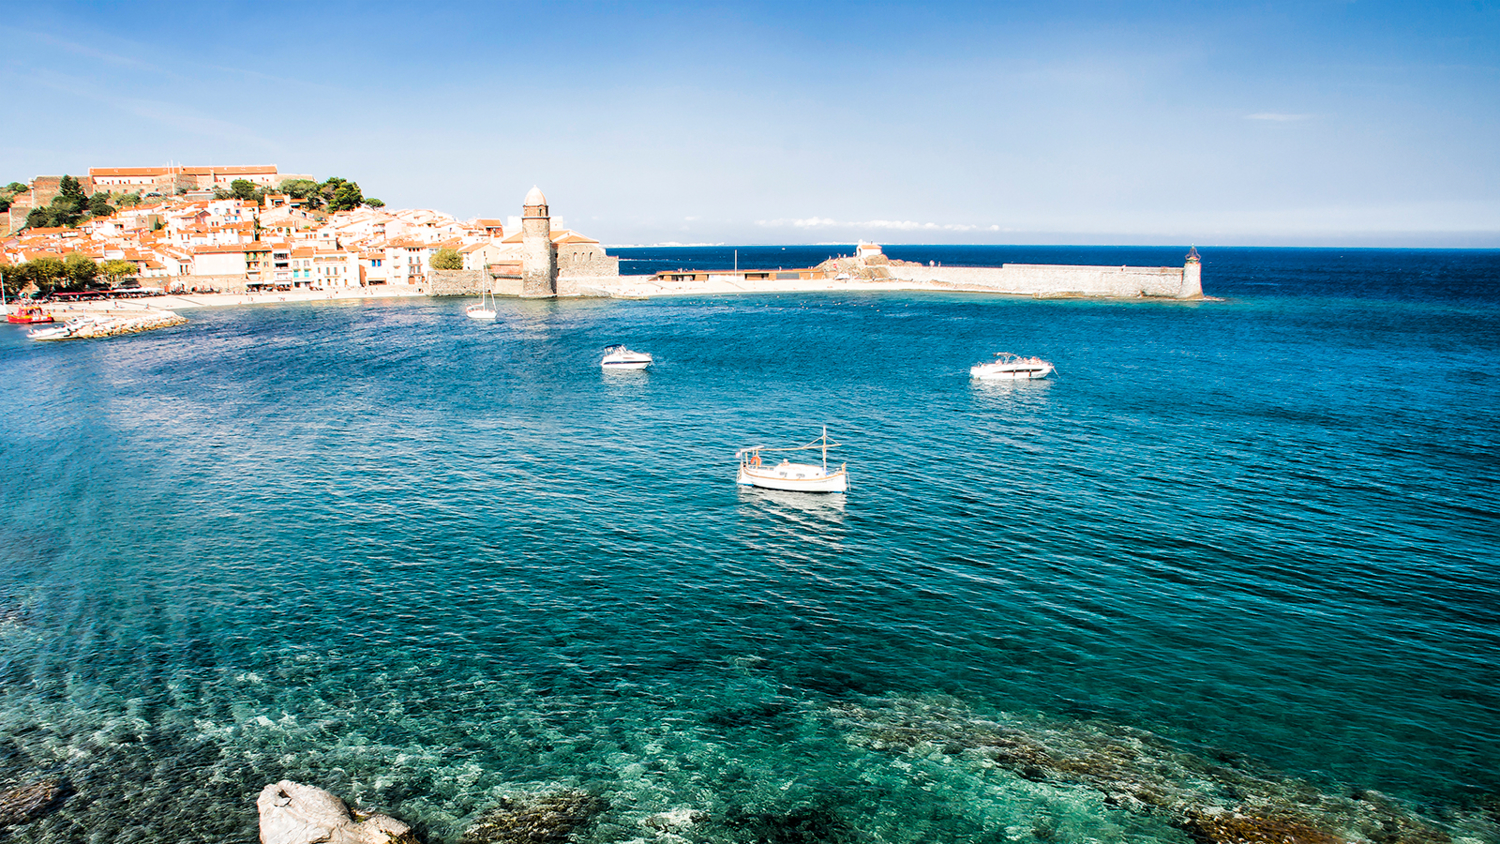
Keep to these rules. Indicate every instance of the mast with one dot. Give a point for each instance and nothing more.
(825, 449)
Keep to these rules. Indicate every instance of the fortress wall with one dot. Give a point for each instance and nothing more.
(458, 282)
(1057, 280)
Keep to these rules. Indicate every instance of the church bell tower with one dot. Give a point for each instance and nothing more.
(539, 258)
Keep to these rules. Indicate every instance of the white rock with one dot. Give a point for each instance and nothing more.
(292, 813)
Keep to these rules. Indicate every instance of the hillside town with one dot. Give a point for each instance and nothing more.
(188, 233)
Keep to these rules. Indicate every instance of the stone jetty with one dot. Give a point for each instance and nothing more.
(93, 326)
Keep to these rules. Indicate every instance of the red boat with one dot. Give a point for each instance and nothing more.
(29, 315)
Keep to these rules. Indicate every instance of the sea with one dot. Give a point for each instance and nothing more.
(1231, 571)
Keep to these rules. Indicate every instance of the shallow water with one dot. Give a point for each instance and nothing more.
(426, 563)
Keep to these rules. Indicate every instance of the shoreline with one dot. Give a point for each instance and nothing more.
(630, 288)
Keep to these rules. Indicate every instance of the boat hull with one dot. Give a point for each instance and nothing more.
(794, 477)
(991, 372)
(631, 366)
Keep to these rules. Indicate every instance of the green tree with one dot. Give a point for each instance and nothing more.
(17, 187)
(446, 259)
(4, 202)
(70, 188)
(128, 200)
(14, 278)
(99, 204)
(341, 194)
(38, 218)
(45, 273)
(244, 189)
(117, 269)
(80, 272)
(373, 202)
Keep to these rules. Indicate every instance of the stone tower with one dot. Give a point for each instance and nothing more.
(538, 258)
(1192, 276)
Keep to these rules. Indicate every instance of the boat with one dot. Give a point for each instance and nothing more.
(618, 357)
(481, 309)
(29, 315)
(66, 331)
(1009, 367)
(795, 477)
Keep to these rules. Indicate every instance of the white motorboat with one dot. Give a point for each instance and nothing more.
(482, 309)
(66, 331)
(618, 357)
(1009, 367)
(797, 477)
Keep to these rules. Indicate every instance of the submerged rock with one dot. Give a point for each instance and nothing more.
(1234, 828)
(1217, 800)
(292, 813)
(540, 819)
(26, 803)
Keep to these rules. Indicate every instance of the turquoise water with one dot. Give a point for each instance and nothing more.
(1235, 554)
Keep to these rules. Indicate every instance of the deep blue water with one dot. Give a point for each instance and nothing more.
(427, 563)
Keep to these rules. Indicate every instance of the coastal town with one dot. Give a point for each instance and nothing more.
(236, 230)
(200, 236)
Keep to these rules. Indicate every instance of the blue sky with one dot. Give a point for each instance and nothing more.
(1273, 123)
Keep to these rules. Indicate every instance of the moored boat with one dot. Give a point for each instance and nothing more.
(796, 477)
(66, 331)
(29, 315)
(1009, 367)
(618, 357)
(482, 309)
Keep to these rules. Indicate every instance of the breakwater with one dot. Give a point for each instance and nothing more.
(97, 325)
(1043, 281)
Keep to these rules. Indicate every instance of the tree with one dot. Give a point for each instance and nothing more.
(244, 189)
(446, 259)
(70, 188)
(44, 273)
(116, 269)
(17, 187)
(38, 218)
(99, 204)
(373, 202)
(80, 270)
(341, 195)
(14, 279)
(128, 200)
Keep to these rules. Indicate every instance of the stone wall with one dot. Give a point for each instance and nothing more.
(1055, 280)
(459, 282)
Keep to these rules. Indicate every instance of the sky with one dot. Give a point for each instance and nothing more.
(1315, 122)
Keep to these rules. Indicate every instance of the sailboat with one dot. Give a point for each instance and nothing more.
(481, 309)
(801, 477)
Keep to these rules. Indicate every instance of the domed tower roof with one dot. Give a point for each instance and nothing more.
(535, 197)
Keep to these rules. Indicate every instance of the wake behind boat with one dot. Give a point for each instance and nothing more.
(1009, 367)
(618, 357)
(797, 477)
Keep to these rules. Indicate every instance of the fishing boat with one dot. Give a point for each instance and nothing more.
(618, 357)
(1009, 367)
(798, 477)
(29, 315)
(482, 309)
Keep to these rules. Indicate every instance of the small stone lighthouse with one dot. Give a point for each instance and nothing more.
(1192, 276)
(538, 257)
